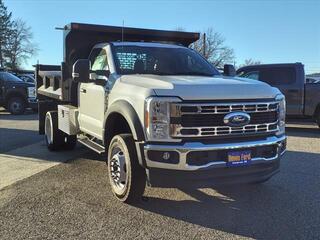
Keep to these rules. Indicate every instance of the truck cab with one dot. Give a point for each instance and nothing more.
(159, 112)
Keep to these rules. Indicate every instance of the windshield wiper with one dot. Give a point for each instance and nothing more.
(194, 74)
(174, 73)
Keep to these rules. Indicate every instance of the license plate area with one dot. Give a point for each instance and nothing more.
(239, 158)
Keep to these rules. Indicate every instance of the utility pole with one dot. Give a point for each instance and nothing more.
(204, 44)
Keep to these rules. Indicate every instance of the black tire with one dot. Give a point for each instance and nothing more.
(133, 187)
(16, 105)
(53, 136)
(69, 142)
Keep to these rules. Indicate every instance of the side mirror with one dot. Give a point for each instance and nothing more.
(100, 76)
(81, 70)
(104, 73)
(229, 70)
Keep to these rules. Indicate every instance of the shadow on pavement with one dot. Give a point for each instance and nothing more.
(14, 138)
(281, 208)
(303, 132)
(29, 115)
(93, 156)
(21, 144)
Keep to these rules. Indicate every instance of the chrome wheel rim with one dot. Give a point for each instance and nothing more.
(118, 171)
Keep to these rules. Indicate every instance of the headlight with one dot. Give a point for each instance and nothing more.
(157, 118)
(31, 92)
(282, 113)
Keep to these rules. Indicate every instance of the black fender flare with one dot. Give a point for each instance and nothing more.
(126, 110)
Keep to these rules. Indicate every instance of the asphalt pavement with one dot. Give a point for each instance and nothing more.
(72, 199)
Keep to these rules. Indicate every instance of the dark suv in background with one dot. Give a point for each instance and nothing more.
(15, 94)
(302, 98)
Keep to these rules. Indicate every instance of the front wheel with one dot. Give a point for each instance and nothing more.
(16, 105)
(127, 178)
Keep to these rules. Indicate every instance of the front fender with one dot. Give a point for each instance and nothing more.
(127, 111)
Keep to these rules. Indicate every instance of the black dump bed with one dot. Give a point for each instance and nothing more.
(56, 81)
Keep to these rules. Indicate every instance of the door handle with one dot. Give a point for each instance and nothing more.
(83, 90)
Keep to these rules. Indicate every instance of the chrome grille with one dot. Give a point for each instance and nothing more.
(203, 120)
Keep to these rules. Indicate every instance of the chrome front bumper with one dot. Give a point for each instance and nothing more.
(32, 100)
(188, 147)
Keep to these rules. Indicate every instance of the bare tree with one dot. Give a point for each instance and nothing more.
(5, 25)
(180, 29)
(21, 47)
(249, 62)
(212, 46)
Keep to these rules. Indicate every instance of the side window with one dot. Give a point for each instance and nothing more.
(94, 53)
(278, 75)
(252, 75)
(100, 62)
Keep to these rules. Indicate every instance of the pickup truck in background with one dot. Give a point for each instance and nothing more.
(302, 97)
(158, 111)
(16, 95)
(25, 75)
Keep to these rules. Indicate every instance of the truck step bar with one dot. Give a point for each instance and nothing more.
(92, 145)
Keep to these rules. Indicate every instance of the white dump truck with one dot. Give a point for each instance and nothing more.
(159, 112)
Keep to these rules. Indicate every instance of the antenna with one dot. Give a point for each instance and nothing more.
(122, 38)
(122, 30)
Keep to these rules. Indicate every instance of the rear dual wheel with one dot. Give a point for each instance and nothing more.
(54, 137)
(127, 178)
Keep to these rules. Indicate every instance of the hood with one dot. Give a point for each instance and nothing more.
(21, 84)
(203, 88)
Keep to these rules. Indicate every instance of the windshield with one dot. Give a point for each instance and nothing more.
(26, 78)
(161, 61)
(10, 77)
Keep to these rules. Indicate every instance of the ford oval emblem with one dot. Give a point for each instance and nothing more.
(236, 119)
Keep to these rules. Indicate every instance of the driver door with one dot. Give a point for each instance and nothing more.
(92, 97)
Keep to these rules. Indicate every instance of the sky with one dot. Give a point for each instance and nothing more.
(268, 31)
